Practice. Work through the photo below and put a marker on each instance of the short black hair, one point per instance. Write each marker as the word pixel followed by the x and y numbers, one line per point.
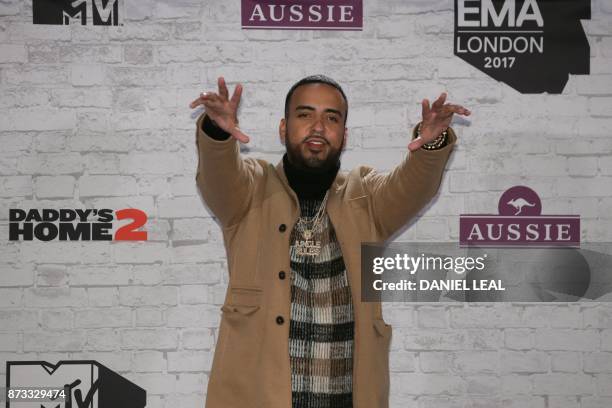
pixel 315 79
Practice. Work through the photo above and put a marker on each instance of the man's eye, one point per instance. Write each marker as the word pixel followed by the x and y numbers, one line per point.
pixel 333 119
pixel 302 115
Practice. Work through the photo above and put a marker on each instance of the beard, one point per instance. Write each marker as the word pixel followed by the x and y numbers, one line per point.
pixel 311 164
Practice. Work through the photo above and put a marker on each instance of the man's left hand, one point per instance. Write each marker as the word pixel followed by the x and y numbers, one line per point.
pixel 436 120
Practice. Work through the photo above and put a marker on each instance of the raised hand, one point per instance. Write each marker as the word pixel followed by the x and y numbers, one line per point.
pixel 436 120
pixel 223 109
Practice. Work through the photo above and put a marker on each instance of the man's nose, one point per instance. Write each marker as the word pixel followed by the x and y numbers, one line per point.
pixel 318 124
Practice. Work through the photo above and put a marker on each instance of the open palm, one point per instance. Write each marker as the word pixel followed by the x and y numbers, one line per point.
pixel 436 119
pixel 222 109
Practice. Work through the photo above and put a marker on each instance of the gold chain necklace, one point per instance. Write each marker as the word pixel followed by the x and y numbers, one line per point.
pixel 307 246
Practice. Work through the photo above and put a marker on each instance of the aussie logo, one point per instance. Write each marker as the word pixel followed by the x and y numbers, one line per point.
pixel 519 223
pixel 531 45
pixel 68 224
pixel 303 14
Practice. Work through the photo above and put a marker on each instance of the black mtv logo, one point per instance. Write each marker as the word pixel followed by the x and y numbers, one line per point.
pixel 63 12
pixel 86 384
pixel 531 45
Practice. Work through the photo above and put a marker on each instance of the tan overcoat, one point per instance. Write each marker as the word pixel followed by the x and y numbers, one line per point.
pixel 257 210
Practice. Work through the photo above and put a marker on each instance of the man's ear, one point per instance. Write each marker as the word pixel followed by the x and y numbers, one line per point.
pixel 346 133
pixel 282 130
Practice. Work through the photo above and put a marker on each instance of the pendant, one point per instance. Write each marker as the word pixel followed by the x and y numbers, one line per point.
pixel 307 247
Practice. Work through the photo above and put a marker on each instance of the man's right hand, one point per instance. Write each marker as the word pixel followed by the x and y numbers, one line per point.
pixel 222 109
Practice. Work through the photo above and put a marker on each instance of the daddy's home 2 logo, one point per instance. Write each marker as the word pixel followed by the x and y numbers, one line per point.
pixel 302 14
pixel 530 45
pixel 69 384
pixel 519 223
pixel 66 12
pixel 69 224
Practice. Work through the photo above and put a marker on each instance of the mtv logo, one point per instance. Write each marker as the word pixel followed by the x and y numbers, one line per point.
pixel 87 384
pixel 64 12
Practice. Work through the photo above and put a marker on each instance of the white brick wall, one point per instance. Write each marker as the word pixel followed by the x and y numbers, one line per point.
pixel 98 117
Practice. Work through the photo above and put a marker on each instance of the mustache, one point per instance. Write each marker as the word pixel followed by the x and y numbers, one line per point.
pixel 316 137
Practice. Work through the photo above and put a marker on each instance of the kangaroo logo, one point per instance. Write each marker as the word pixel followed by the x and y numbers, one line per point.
pixel 519 203
pixel 519 222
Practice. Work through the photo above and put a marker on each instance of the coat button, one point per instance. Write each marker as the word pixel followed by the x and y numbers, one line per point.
pixel 282 227
pixel 279 320
pixel 281 275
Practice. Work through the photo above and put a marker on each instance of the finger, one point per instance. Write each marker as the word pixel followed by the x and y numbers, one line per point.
pixel 204 96
pixel 237 95
pixel 439 102
pixel 212 104
pixel 416 144
pixel 458 109
pixel 196 102
pixel 223 88
pixel 426 109
pixel 210 96
pixel 240 136
pixel 212 100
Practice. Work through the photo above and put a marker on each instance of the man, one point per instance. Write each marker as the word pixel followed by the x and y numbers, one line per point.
pixel 294 332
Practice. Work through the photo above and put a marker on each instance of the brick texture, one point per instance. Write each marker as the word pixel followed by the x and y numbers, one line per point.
pixel 98 117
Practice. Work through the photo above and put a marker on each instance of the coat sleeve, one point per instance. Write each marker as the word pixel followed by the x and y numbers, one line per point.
pixel 399 195
pixel 225 180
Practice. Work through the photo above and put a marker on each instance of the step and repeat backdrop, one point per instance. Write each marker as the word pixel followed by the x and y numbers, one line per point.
pixel 113 271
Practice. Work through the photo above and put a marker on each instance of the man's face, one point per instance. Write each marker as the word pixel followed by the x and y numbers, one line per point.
pixel 314 132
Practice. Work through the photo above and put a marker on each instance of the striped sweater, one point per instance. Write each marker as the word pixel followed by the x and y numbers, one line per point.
pixel 321 327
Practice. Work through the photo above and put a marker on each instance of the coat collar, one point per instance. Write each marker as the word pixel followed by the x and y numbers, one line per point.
pixel 335 190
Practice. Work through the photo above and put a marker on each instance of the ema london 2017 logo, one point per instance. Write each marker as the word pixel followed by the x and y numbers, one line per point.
pixel 531 45
pixel 520 223
pixel 65 12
